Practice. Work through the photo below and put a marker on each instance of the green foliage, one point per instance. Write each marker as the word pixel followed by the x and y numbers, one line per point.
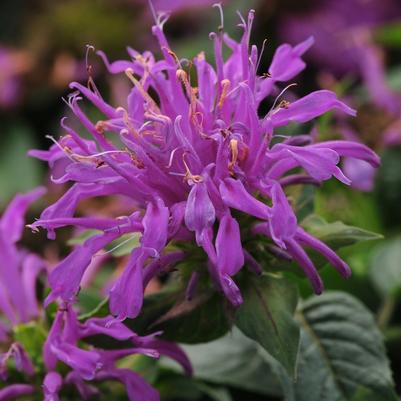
pixel 266 316
pixel 385 268
pixel 389 35
pixel 204 318
pixel 18 173
pixel 342 356
pixel 31 336
pixel 236 361
pixel 337 234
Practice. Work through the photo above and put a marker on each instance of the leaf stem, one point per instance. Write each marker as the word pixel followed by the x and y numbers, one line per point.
pixel 385 312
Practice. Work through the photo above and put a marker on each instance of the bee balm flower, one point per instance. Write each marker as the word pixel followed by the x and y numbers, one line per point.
pixel 188 155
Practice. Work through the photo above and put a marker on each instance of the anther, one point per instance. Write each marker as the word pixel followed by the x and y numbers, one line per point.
pixel 225 84
pixel 188 175
pixel 234 155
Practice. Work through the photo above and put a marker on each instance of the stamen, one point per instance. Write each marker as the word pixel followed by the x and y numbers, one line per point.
pixel 127 122
pixel 188 175
pixel 172 157
pixel 89 69
pixel 225 84
pixel 280 94
pixel 183 77
pixel 64 149
pixel 153 11
pixel 220 7
pixel 234 155
pixel 260 55
pixel 117 246
pixel 175 57
pixel 130 74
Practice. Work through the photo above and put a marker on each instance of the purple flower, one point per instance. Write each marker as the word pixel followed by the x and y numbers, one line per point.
pixel 13 64
pixel 19 269
pixel 344 44
pixel 64 344
pixel 66 339
pixel 185 157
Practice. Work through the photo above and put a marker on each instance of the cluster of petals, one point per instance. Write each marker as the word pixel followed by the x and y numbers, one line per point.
pixel 186 156
pixel 19 270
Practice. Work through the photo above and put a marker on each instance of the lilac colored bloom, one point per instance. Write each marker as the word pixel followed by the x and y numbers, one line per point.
pixel 18 268
pixel 344 44
pixel 10 86
pixel 186 159
pixel 65 341
pixel 63 344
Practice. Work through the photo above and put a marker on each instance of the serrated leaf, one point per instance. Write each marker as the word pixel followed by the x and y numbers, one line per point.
pixel 342 356
pixel 266 316
pixel 233 360
pixel 337 234
pixel 385 268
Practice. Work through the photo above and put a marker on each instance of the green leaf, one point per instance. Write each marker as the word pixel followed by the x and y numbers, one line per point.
pixel 342 356
pixel 266 316
pixel 18 172
pixel 204 318
pixel 82 237
pixel 233 360
pixel 100 310
pixel 389 35
pixel 337 234
pixel 31 336
pixel 385 268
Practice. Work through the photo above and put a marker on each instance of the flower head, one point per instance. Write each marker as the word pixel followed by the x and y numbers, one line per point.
pixel 192 154
pixel 344 41
pixel 33 344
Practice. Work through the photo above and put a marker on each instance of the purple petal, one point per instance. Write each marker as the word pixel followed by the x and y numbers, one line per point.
pixel 287 62
pixel 307 239
pixel 65 279
pixel 51 386
pixel 15 391
pixel 173 351
pixel 230 256
pixel 155 223
pixel 306 264
pixel 108 326
pixel 236 196
pixel 137 388
pixel 351 149
pixel 309 107
pixel 282 222
pixel 126 296
pixel 199 212
pixel 361 174
pixel 13 220
pixel 85 363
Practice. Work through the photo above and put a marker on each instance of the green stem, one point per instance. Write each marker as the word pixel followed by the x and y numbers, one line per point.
pixel 386 312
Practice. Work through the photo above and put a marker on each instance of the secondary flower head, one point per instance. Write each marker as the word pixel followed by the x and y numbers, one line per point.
pixel 192 154
pixel 13 64
pixel 344 41
pixel 34 344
